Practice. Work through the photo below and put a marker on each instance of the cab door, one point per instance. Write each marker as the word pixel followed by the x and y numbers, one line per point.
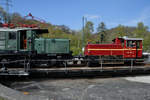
pixel 130 50
pixel 30 40
pixel 139 49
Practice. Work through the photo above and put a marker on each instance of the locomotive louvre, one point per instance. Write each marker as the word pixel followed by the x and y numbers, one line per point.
pixel 26 43
pixel 122 48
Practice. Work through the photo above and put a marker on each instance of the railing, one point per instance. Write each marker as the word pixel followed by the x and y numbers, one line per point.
pixel 5 70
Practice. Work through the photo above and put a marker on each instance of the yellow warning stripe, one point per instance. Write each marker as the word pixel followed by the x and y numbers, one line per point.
pixel 111 49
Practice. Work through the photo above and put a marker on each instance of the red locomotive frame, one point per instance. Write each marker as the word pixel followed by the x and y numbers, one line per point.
pixel 125 48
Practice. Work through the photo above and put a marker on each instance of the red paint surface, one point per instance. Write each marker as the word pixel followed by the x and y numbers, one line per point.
pixel 114 49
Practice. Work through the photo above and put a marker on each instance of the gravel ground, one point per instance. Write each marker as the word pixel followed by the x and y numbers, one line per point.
pixel 86 89
pixel 142 79
pixel 2 98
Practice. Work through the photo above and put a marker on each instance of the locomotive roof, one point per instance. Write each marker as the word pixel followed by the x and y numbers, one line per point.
pixel 19 29
pixel 126 38
pixel 14 29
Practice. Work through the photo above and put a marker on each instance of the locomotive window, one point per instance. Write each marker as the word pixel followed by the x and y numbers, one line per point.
pixel 138 44
pixel 122 43
pixel 12 35
pixel 131 43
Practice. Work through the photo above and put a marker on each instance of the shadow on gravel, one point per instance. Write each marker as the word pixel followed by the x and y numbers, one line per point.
pixel 8 80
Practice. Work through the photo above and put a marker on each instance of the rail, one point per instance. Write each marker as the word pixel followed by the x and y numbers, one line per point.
pixel 66 64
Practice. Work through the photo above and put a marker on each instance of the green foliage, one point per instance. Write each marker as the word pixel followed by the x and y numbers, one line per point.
pixel 146 43
pixel 3 15
pixel 101 27
pixel 141 30
pixel 101 30
pixel 89 29
pixel 16 18
pixel 120 31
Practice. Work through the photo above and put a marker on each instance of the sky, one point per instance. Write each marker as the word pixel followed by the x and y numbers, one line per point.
pixel 70 12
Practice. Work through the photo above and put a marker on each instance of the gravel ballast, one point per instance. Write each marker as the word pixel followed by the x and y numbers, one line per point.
pixel 85 89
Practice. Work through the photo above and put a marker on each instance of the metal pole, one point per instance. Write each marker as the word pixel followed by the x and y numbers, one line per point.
pixel 7 9
pixel 83 19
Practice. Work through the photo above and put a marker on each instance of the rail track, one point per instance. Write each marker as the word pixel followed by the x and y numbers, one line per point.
pixel 77 71
pixel 71 69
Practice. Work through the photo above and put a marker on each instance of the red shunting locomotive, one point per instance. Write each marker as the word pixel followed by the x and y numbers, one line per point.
pixel 121 48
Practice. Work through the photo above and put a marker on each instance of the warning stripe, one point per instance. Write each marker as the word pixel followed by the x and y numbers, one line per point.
pixel 111 49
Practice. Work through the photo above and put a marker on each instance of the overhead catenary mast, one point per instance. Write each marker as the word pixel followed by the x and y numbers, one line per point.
pixel 84 21
pixel 7 4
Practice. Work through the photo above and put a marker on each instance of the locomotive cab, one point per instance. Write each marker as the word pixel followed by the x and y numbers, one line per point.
pixel 133 48
pixel 18 39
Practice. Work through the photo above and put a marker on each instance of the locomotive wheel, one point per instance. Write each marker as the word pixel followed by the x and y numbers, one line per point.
pixel 52 63
pixel 92 64
pixel 4 60
pixel 89 64
pixel 60 64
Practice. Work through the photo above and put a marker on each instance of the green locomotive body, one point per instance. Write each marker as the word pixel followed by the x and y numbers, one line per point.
pixel 20 43
pixel 52 46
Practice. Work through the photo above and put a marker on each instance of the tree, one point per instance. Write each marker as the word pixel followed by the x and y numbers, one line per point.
pixel 16 18
pixel 101 27
pixel 3 15
pixel 101 30
pixel 64 28
pixel 141 30
pixel 121 31
pixel 141 26
pixel 89 29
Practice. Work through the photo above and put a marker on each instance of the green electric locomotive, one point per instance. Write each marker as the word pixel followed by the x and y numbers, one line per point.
pixel 26 43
